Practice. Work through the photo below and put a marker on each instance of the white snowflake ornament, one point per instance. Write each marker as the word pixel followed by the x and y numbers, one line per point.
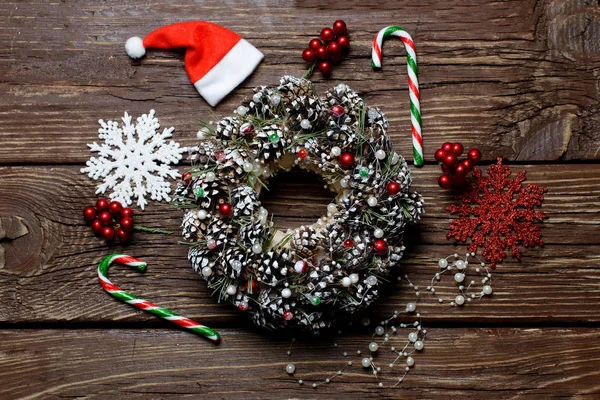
pixel 134 160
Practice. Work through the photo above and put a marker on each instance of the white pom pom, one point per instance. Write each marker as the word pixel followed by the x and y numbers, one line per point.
pixel 135 47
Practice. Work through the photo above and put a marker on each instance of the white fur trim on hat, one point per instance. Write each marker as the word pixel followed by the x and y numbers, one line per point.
pixel 135 47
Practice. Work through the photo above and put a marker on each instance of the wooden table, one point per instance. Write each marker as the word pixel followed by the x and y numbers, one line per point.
pixel 518 79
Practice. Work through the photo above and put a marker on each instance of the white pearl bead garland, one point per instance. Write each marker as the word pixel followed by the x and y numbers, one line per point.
pixel 378 233
pixel 201 214
pixel 372 201
pixel 286 293
pixel 380 155
pixel 305 124
pixel 241 111
pixel 336 151
pixel 231 290
pixel 257 248
pixel 207 271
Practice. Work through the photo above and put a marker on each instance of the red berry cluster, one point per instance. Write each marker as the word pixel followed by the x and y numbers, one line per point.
pixel 328 49
pixel 455 171
pixel 110 220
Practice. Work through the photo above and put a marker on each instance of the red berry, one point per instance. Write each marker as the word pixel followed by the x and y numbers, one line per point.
pixel 446 169
pixel 243 306
pixel 393 188
pixel 302 154
pixel 220 156
pixel 327 34
pixel 440 155
pixel 447 147
pixel 474 155
pixel 346 160
pixel 321 52
pixel 445 181
pixel 308 55
pixel 339 27
pixel 123 236
pixel 102 204
pixel 457 149
pixel 248 130
pixel 115 207
pixel 348 243
pixel 89 213
pixel 96 226
pixel 127 224
pixel 315 44
pixel 460 171
pixel 325 68
pixel 187 178
pixel 105 218
pixel 225 209
pixel 450 160
pixel 380 246
pixel 287 315
pixel 468 165
pixel 343 41
pixel 126 213
pixel 334 50
pixel 108 233
pixel 337 111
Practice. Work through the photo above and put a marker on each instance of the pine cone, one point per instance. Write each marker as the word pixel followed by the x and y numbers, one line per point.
pixel 305 108
pixel 228 128
pixel 351 102
pixel 252 233
pixel 264 104
pixel 231 168
pixel 245 201
pixel 209 194
pixel 200 258
pixel 271 143
pixel 234 262
pixel 221 231
pixel 375 122
pixel 291 87
pixel 272 267
pixel 206 154
pixel 305 241
pixel 193 227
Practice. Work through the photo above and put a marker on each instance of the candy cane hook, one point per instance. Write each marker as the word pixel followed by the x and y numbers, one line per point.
pixel 413 83
pixel 146 305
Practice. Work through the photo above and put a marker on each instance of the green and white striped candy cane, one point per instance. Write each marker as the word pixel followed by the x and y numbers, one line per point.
pixel 146 305
pixel 413 83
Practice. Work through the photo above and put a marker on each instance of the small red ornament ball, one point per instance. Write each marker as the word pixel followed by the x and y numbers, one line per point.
pixel 127 224
pixel 440 155
pixel 308 55
pixel 89 213
pixel 348 243
pixel 327 34
pixel 97 226
pixel 105 218
pixel 225 209
pixel 122 235
pixel 339 27
pixel 108 233
pixel 337 111
pixel 334 50
pixel 315 44
pixel 321 52
pixel 445 181
pixel 474 155
pixel 115 207
pixel 126 213
pixel 187 178
pixel 243 306
pixel 450 160
pixel 343 41
pixel 347 161
pixel 460 171
pixel 468 165
pixel 457 149
pixel 447 147
pixel 287 315
pixel 102 204
pixel 393 188
pixel 302 154
pixel 380 246
pixel 325 68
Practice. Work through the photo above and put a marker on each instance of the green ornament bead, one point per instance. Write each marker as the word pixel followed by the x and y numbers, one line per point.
pixel 363 172
pixel 200 192
pixel 274 137
pixel 316 300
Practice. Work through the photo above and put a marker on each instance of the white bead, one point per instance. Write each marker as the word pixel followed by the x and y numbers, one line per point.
pixel 354 278
pixel 256 97
pixel 236 265
pixel 344 182
pixel 380 155
pixel 372 201
pixel 366 362
pixel 459 277
pixel 371 280
pixel 419 345
pixel 305 124
pixel 275 99
pixel 241 110
pixel 413 336
pixel 460 300
pixel 290 369
pixel 256 248
pixel 336 151
pixel 411 307
pixel 300 266
pixel 379 330
pixel 395 159
pixel 487 289
pixel 346 282
pixel 410 361
pixel 202 133
pixel 373 347
pixel 231 290
pixel 201 214
pixel 460 264
pixel 207 271
pixel 210 176
pixel 443 263
pixel 331 207
pixel 286 293
pixel 378 233
pixel 248 166
pixel 211 244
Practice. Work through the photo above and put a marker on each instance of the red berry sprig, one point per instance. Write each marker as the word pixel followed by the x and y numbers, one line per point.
pixel 327 49
pixel 110 220
pixel 455 170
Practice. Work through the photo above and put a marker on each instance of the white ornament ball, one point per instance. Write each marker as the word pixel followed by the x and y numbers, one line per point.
pixel 344 182
pixel 379 331
pixel 210 176
pixel 275 99
pixel 380 155
pixel 460 300
pixel 419 345
pixel 346 282
pixel 256 248
pixel 443 263
pixel 300 266
pixel 241 111
pixel 411 307
pixel 413 337
pixel 257 97
pixel 373 347
pixel 290 368
pixel 286 293
pixel 378 233
pixel 371 280
pixel 487 290
pixel 459 277
pixel 366 362
pixel 372 201
pixel 201 214
pixel 331 207
pixel 305 124
pixel 206 271
pixel 336 151
pixel 248 166
pixel 410 361
pixel 460 264
pixel 231 290
pixel 354 278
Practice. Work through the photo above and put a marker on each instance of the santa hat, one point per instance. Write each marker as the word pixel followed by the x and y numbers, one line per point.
pixel 216 59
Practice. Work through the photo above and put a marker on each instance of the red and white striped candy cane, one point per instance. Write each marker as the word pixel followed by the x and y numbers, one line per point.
pixel 413 83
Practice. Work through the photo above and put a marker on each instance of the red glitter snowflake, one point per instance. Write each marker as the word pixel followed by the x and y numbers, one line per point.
pixel 498 213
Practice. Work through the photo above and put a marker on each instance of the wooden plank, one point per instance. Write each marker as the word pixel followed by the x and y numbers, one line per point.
pixel 516 78
pixel 135 364
pixel 49 274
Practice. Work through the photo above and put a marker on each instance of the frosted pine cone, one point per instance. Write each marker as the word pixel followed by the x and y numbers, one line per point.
pixel 228 128
pixel 273 267
pixel 245 201
pixel 221 231
pixel 305 241
pixel 291 87
pixel 351 102
pixel 202 257
pixel 209 194
pixel 193 227
pixel 271 144
pixel 230 168
pixel 264 104
pixel 305 108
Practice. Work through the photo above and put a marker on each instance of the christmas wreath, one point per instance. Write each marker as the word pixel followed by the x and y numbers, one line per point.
pixel 304 277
